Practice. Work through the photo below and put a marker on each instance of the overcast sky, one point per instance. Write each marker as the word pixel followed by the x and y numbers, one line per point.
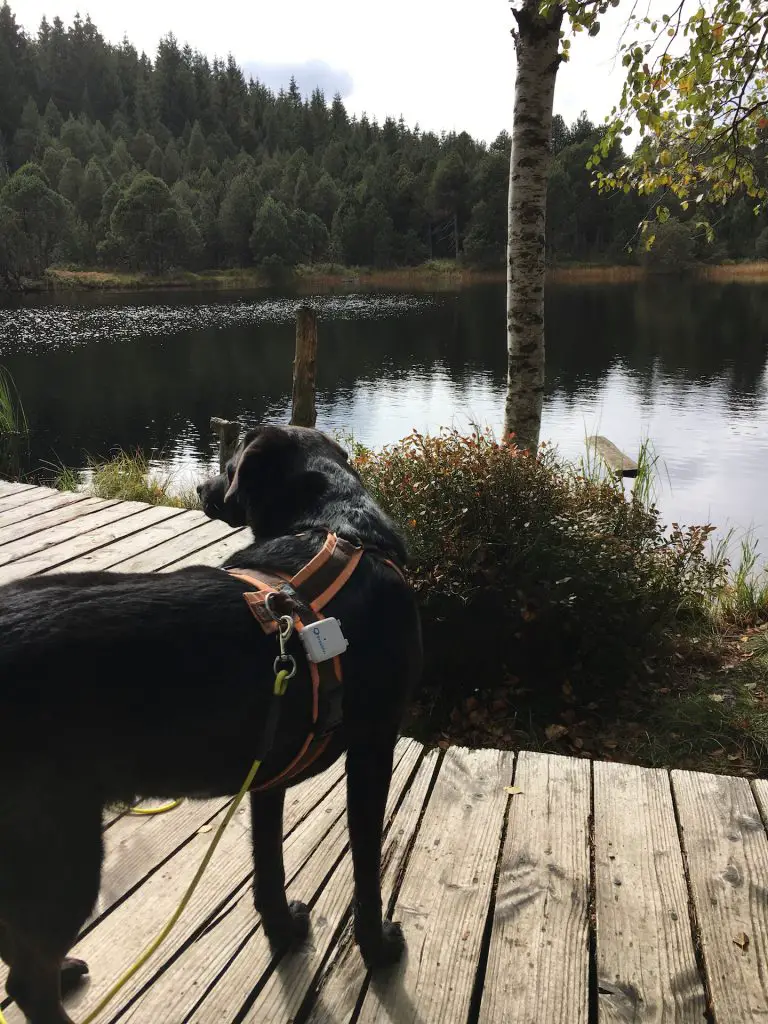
pixel 446 64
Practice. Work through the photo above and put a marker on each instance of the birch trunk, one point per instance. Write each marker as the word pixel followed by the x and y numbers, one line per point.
pixel 536 44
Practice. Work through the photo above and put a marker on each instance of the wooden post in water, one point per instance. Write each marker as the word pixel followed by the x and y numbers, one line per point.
pixel 228 433
pixel 304 413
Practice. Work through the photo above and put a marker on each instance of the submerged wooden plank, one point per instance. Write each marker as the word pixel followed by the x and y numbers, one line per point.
pixel 45 503
pixel 121 937
pixel 726 849
pixel 538 960
pixel 646 962
pixel 46 520
pixel 444 899
pixel 83 535
pixel 232 991
pixel 169 556
pixel 615 459
pixel 138 545
pixel 343 974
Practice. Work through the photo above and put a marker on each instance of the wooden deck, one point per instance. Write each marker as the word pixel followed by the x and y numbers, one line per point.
pixel 532 888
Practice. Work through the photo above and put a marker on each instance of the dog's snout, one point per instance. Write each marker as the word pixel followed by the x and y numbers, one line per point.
pixel 199 490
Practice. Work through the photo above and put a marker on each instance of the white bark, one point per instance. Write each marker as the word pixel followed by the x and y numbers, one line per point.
pixel 536 43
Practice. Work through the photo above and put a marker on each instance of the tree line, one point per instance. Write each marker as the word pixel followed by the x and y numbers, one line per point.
pixel 110 157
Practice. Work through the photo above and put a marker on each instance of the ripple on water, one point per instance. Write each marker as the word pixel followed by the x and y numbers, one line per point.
pixel 63 326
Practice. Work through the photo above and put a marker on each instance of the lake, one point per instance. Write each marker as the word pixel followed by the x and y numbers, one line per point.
pixel 682 363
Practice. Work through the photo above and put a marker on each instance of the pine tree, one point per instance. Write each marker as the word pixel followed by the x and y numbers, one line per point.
pixel 171 166
pixel 271 241
pixel 29 135
pixel 92 193
pixel 71 180
pixel 239 206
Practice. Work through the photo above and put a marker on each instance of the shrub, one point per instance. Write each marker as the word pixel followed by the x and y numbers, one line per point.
pixel 525 567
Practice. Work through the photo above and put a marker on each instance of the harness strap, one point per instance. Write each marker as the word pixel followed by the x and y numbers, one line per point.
pixel 320 580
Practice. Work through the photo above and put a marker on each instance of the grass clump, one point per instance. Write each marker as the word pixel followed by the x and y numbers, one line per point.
pixel 13 425
pixel 127 476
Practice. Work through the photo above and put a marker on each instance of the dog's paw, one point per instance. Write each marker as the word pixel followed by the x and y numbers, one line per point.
pixel 72 972
pixel 388 950
pixel 291 930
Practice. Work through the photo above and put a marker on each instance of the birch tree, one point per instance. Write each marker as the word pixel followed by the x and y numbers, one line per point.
pixel 540 47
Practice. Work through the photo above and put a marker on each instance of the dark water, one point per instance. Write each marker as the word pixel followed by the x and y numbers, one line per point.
pixel 681 363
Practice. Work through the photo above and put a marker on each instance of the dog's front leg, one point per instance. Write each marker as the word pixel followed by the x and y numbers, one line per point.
pixel 369 770
pixel 284 923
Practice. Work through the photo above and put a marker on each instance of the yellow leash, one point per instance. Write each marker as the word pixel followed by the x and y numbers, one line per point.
pixel 281 684
pixel 155 810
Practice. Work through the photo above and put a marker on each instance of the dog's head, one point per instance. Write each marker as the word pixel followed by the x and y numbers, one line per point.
pixel 273 470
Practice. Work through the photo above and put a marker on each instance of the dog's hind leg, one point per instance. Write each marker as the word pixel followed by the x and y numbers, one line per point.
pixel 35 983
pixel 50 868
pixel 369 770
pixel 284 923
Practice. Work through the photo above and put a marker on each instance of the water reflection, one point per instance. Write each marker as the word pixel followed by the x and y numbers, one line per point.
pixel 683 364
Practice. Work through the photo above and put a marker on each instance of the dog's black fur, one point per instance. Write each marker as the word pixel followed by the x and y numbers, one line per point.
pixel 114 686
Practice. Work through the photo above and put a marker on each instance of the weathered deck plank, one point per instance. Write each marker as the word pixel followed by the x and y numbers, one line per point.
pixel 42 552
pixel 123 934
pixel 192 976
pixel 287 988
pixel 233 990
pixel 216 553
pixel 45 503
pixel 138 545
pixel 446 892
pixel 727 855
pixel 45 521
pixel 341 979
pixel 189 549
pixel 21 494
pixel 646 963
pixel 10 487
pixel 538 960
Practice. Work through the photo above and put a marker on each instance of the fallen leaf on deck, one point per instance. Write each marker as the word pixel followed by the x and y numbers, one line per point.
pixel 205 828
pixel 742 941
pixel 512 790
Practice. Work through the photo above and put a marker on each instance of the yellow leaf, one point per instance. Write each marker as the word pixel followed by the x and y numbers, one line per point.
pixel 512 790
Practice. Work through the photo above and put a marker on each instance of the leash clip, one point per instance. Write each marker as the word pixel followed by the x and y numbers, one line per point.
pixel 285 631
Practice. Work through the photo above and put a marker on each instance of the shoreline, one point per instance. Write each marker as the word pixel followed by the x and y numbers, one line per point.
pixel 438 276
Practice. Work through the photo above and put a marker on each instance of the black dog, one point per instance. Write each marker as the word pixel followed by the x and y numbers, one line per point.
pixel 113 686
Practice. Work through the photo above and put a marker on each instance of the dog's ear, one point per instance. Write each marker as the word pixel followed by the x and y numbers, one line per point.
pixel 263 463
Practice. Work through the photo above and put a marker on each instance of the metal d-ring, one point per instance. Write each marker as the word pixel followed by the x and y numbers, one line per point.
pixel 285 659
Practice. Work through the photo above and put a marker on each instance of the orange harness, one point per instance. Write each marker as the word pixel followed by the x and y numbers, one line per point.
pixel 303 597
